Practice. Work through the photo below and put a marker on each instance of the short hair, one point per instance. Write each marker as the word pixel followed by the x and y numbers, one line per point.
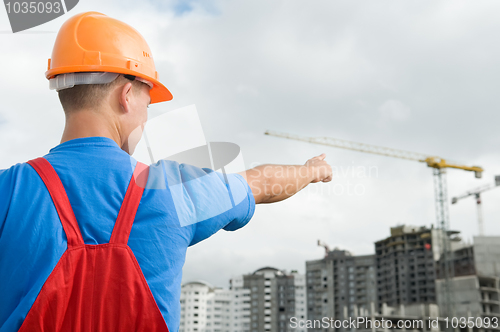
pixel 88 96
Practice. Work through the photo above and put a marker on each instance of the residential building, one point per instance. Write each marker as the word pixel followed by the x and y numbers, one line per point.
pixel 473 296
pixel 205 308
pixel 241 305
pixel 404 318
pixel 406 265
pixel 275 297
pixel 474 282
pixel 340 285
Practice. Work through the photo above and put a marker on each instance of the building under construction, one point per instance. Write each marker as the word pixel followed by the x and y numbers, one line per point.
pixel 407 273
pixel 474 296
pixel 406 265
pixel 475 280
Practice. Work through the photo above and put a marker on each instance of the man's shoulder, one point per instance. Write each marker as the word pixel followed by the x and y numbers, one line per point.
pixel 14 171
pixel 14 181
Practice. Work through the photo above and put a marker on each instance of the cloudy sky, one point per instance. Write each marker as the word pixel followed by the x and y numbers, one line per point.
pixel 415 75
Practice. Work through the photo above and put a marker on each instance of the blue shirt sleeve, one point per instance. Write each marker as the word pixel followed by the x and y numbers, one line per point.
pixel 208 201
pixel 6 188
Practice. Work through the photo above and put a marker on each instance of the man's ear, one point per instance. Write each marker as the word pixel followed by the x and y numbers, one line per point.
pixel 126 97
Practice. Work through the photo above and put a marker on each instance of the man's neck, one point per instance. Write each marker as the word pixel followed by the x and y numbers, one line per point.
pixel 88 123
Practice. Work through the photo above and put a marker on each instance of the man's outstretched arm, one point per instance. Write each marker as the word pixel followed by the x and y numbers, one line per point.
pixel 274 183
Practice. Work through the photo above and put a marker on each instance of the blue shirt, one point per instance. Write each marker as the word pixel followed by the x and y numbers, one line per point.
pixel 181 206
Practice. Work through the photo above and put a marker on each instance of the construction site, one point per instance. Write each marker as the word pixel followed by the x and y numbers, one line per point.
pixel 163 121
pixel 402 287
pixel 418 279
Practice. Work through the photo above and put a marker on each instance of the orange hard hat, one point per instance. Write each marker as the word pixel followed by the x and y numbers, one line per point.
pixel 94 42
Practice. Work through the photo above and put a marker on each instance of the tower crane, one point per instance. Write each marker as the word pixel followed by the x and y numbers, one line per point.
pixel 324 245
pixel 438 165
pixel 477 194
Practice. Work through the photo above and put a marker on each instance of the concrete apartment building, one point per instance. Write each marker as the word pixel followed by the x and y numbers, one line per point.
pixel 263 301
pixel 241 305
pixel 340 285
pixel 410 271
pixel 486 252
pixel 405 318
pixel 473 296
pixel 205 308
pixel 402 280
pixel 406 265
pixel 482 257
pixel 275 297
pixel 475 282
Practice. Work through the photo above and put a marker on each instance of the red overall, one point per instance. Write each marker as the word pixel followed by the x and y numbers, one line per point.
pixel 95 287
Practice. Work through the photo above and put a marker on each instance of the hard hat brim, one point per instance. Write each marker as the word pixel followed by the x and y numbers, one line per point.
pixel 159 93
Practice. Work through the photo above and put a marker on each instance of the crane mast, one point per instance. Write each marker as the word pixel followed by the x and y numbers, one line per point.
pixel 439 166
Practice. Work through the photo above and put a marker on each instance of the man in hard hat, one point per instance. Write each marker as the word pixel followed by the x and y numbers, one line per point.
pixel 92 240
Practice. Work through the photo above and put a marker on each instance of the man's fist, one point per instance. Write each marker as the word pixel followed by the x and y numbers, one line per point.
pixel 320 169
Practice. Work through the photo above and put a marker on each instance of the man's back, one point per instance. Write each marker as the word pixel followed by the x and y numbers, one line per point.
pixel 181 205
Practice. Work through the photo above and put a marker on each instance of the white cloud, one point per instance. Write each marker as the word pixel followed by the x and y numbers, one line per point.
pixel 394 110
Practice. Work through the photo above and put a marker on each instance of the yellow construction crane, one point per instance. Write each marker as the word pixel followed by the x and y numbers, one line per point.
pixel 439 166
pixel 431 161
